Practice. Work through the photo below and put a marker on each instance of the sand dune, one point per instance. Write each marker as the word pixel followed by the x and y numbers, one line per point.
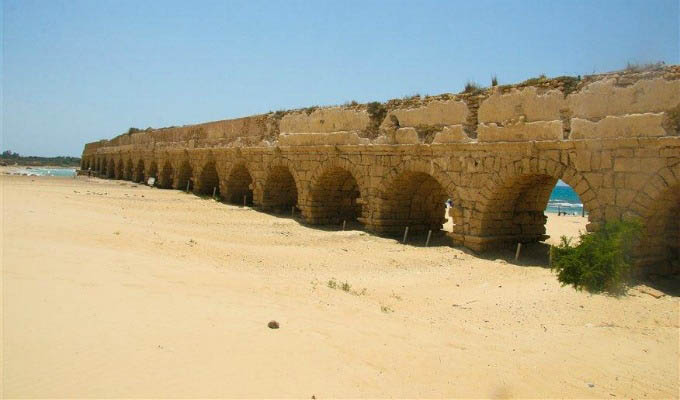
pixel 112 289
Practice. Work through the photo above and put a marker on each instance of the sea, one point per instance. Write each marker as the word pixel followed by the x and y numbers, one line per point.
pixel 44 171
pixel 563 198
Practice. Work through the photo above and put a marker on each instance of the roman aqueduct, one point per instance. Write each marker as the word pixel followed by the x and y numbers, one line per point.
pixel 496 153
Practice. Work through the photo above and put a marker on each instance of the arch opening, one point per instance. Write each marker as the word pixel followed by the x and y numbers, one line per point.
pixel 110 169
pixel 240 185
pixel 100 165
pixel 184 176
pixel 532 208
pixel 335 198
pixel 120 168
pixel 280 191
pixel 659 248
pixel 209 180
pixel 415 200
pixel 166 176
pixel 139 171
pixel 128 170
pixel 153 171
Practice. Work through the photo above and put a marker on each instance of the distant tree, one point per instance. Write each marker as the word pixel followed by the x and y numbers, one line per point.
pixel 10 154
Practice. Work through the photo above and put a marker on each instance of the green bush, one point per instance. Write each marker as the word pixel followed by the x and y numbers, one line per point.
pixel 602 260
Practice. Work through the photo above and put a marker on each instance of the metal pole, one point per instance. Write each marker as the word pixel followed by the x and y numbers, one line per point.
pixel 244 200
pixel 214 191
pixel 405 235
pixel 519 247
pixel 188 182
pixel 429 235
pixel 292 211
pixel 344 224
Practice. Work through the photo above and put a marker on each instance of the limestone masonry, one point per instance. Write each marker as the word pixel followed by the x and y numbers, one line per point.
pixel 497 153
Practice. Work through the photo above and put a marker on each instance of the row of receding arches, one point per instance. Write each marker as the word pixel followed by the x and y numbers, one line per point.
pixel 415 199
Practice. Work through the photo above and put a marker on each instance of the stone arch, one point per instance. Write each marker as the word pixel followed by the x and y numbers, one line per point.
pixel 209 180
pixel 240 184
pixel 139 171
pixel 658 205
pixel 512 203
pixel 128 172
pixel 111 168
pixel 280 189
pixel 414 195
pixel 166 176
pixel 120 169
pixel 153 170
pixel 184 175
pixel 338 192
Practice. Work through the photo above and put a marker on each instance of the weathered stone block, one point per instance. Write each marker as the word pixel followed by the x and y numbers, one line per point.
pixel 551 130
pixel 451 134
pixel 527 103
pixel 325 120
pixel 438 112
pixel 406 136
pixel 604 98
pixel 316 139
pixel 633 125
pixel 627 165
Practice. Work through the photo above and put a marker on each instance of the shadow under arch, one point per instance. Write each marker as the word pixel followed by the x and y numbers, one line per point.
pixel 184 175
pixel 209 180
pixel 239 185
pixel 120 169
pixel 127 174
pixel 111 169
pixel 337 194
pixel 512 204
pixel 139 171
pixel 414 194
pixel 280 191
pixel 166 176
pixel 153 170
pixel 659 249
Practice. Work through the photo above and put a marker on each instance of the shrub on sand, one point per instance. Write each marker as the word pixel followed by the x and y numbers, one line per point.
pixel 602 260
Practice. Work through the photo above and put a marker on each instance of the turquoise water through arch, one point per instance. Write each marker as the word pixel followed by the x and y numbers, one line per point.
pixel 564 198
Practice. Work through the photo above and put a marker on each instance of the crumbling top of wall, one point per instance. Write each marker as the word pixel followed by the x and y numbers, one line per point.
pixel 632 102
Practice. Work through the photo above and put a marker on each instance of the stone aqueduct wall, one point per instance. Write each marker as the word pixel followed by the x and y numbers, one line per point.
pixel 497 153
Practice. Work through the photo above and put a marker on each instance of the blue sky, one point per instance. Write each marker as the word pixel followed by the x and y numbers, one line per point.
pixel 79 71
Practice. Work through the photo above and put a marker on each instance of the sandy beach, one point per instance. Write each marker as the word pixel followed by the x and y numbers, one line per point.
pixel 114 289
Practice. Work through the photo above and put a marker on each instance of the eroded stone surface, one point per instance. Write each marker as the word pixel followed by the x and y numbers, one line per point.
pixel 633 125
pixel 604 98
pixel 447 112
pixel 325 120
pixel 527 103
pixel 520 131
